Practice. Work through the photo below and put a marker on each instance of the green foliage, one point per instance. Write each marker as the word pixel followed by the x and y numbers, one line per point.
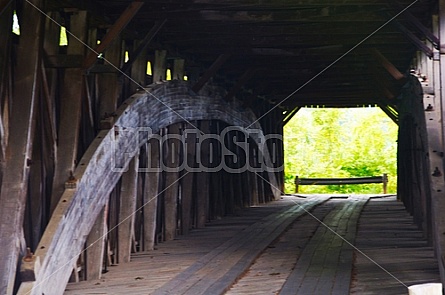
pixel 340 143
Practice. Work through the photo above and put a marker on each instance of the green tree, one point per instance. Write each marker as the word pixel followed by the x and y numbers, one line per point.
pixel 340 143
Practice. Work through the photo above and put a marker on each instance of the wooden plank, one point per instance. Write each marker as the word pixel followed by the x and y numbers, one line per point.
pixel 70 112
pixel 19 149
pixel 114 31
pixel 215 272
pixel 127 210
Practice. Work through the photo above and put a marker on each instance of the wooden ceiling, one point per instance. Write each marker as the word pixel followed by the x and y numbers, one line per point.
pixel 292 53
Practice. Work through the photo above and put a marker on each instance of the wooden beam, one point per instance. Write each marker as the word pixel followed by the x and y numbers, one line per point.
pixel 114 31
pixel 19 149
pixel 248 74
pixel 143 44
pixel 392 70
pixel 210 72
pixel 70 112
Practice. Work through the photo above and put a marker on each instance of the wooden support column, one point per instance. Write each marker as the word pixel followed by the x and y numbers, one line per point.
pixel 107 83
pixel 160 65
pixel 138 70
pixel 171 181
pixel 202 179
pixel 178 69
pixel 18 152
pixel 150 195
pixel 127 210
pixel 438 202
pixel 96 247
pixel 70 111
pixel 187 181
pixel 5 51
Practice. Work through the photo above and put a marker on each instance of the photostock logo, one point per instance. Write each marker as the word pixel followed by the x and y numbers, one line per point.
pixel 234 150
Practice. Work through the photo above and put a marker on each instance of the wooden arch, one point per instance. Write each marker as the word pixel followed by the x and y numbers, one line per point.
pixel 157 106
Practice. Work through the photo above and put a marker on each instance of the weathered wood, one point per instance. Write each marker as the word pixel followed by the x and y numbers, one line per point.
pixel 171 189
pixel 151 193
pixel 160 66
pixel 95 244
pixel 215 272
pixel 70 112
pixel 19 150
pixel 114 31
pixel 127 210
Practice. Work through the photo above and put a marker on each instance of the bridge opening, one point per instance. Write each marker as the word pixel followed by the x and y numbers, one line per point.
pixel 340 143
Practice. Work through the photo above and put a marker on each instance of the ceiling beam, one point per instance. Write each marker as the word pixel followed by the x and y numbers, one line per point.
pixel 211 71
pixel 114 31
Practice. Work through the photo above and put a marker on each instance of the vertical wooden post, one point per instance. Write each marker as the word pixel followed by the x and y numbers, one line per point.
pixel 138 70
pixel 385 183
pixel 107 83
pixel 297 183
pixel 187 182
pixel 178 69
pixel 96 246
pixel 171 182
pixel 202 181
pixel 19 149
pixel 70 110
pixel 150 195
pixel 438 202
pixel 160 65
pixel 127 210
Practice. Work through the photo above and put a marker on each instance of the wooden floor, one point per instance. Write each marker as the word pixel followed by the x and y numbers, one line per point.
pixel 280 249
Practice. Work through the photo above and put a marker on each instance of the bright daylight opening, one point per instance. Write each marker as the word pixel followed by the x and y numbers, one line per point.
pixel 331 143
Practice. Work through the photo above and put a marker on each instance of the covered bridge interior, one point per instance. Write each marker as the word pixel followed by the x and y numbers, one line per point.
pixel 155 117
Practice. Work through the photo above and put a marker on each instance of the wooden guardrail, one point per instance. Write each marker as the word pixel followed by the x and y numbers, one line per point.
pixel 329 181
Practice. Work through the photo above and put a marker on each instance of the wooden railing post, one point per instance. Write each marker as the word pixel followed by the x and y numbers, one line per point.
pixel 385 183
pixel 296 184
